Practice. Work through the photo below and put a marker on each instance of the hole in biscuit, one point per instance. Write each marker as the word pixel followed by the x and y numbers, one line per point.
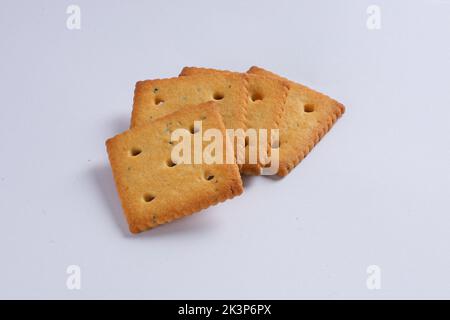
pixel 159 101
pixel 256 96
pixel 218 96
pixel 308 107
pixel 193 129
pixel 135 152
pixel 209 176
pixel 148 197
pixel 170 163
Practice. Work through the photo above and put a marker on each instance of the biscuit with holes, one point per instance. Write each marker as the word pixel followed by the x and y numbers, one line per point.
pixel 153 189
pixel 266 100
pixel 308 116
pixel 156 98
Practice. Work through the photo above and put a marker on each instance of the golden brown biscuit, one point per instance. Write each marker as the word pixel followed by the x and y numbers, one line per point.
pixel 156 98
pixel 155 190
pixel 266 100
pixel 308 116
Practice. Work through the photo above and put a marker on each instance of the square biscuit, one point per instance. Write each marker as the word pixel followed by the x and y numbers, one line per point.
pixel 265 106
pixel 156 98
pixel 152 188
pixel 308 116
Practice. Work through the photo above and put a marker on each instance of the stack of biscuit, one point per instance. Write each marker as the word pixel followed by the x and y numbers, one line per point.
pixel 154 189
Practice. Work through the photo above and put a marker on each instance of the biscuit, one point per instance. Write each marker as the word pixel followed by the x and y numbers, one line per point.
pixel 308 116
pixel 152 188
pixel 156 98
pixel 266 100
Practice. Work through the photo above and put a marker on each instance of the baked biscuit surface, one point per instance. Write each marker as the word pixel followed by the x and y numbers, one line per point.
pixel 152 188
pixel 266 96
pixel 156 98
pixel 308 116
pixel 265 106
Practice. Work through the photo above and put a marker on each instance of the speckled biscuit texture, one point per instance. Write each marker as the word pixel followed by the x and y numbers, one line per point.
pixel 307 117
pixel 152 188
pixel 154 99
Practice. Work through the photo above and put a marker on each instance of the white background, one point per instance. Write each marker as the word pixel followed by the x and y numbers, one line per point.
pixel 376 190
